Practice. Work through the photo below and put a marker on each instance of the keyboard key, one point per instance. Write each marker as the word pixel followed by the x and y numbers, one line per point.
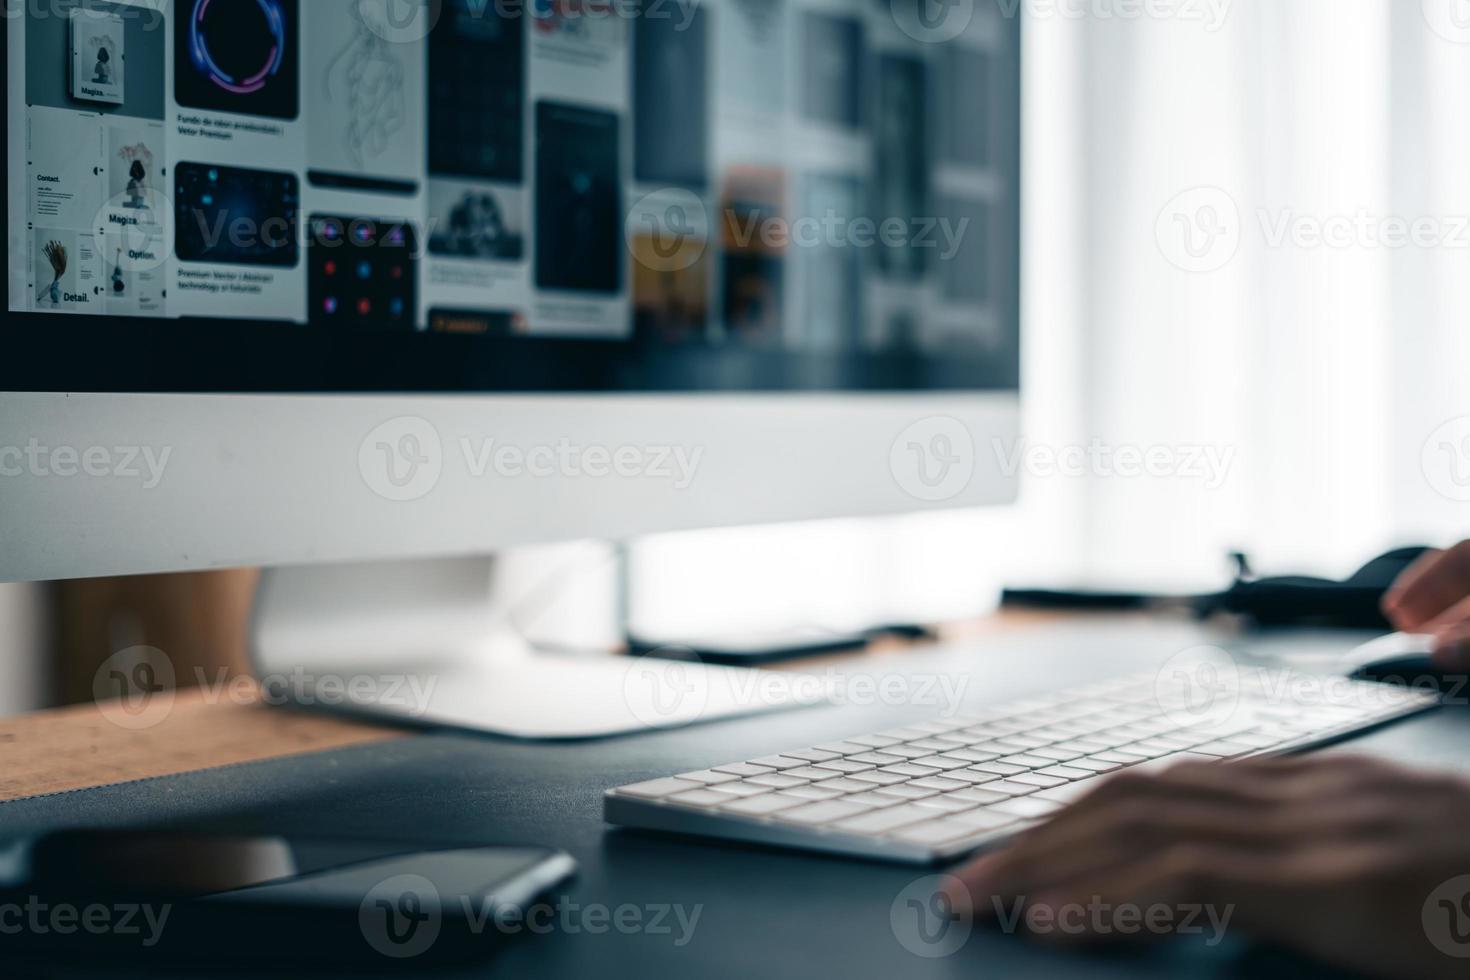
pixel 971 755
pixel 931 744
pixel 1095 764
pixel 1082 746
pixel 940 762
pixel 743 769
pixel 906 734
pixel 1123 758
pixel 937 782
pixel 1223 750
pixel 1254 740
pixel 1037 779
pixel 813 791
pixel 908 769
pixel 991 748
pixel 873 741
pixel 1069 792
pixel 1005 746
pixel 970 776
pixel 875 758
pixel 906 791
pixel 1177 741
pixel 1010 787
pixel 935 832
pixel 879 777
pixel 907 751
pixel 1143 749
pixel 809 772
pixel 708 776
pixel 1026 741
pixel 984 819
pixel 1154 746
pixel 778 762
pixel 843 765
pixel 822 813
pixel 882 821
pixel 969 738
pixel 1101 743
pixel 1066 772
pixel 740 789
pixel 1170 761
pixel 657 788
pixel 846 785
pixel 700 797
pixel 946 803
pixel 814 755
pixel 874 799
pixel 1076 727
pixel 1026 807
pixel 984 731
pixel 977 795
pixel 1059 755
pixel 776 780
pixel 1028 761
pixel 998 768
pixel 840 748
pixel 759 806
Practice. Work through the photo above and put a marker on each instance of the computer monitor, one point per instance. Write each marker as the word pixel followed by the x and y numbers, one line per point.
pixel 298 282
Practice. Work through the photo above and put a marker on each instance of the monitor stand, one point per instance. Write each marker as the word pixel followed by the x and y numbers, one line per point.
pixel 432 642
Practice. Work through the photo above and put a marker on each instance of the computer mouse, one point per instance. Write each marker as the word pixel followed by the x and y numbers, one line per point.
pixel 1400 658
pixel 1400 669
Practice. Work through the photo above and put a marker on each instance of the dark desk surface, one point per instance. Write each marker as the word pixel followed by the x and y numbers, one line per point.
pixel 763 913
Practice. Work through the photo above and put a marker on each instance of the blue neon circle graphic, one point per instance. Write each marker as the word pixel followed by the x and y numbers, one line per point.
pixel 199 50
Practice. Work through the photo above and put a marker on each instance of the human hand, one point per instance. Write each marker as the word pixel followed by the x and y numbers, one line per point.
pixel 1333 856
pixel 1433 596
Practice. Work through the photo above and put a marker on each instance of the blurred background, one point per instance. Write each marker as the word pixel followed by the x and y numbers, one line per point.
pixel 1247 242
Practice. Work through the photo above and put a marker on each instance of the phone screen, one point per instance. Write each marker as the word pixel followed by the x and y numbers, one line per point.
pixel 185 895
pixel 182 866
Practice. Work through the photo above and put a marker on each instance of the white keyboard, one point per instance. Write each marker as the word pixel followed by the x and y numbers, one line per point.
pixel 935 790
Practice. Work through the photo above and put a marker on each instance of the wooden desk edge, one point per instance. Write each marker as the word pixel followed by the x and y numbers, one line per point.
pixel 89 745
pixel 102 744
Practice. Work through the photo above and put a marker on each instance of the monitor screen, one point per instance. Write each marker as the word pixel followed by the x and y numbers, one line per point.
pixel 497 194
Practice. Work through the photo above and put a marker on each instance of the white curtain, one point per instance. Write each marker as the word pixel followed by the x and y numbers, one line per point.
pixel 1317 347
pixel 1333 345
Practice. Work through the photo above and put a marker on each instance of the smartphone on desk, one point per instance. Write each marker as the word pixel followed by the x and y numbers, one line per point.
pixel 286 898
